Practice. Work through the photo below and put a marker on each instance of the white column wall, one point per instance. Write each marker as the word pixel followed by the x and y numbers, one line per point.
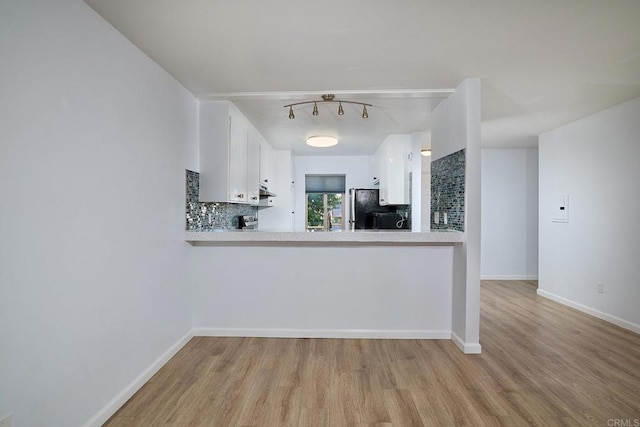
pixel 509 214
pixel 94 140
pixel 456 125
pixel 595 162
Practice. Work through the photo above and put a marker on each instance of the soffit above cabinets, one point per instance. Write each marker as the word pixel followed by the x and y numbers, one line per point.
pixel 390 113
pixel 542 64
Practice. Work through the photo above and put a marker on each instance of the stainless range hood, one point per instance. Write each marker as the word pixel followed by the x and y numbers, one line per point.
pixel 264 191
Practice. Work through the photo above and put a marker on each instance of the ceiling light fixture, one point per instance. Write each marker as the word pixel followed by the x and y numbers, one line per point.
pixel 322 141
pixel 329 98
pixel 425 152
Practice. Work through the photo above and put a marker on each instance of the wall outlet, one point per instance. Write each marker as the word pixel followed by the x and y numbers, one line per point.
pixel 5 421
pixel 436 217
pixel 601 288
pixel 444 218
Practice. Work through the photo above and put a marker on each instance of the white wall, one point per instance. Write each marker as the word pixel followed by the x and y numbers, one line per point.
pixel 358 171
pixel 595 161
pixel 509 214
pixel 456 125
pixel 303 291
pixel 94 139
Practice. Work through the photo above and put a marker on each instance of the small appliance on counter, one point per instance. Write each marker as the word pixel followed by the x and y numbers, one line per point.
pixel 388 220
pixel 247 222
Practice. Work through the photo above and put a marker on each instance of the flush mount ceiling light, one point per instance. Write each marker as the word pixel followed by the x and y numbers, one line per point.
pixel 329 98
pixel 425 152
pixel 322 141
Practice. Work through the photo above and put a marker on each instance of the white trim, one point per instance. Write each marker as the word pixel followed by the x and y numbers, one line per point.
pixel 591 311
pixel 322 333
pixel 295 95
pixel 116 403
pixel 467 348
pixel 509 277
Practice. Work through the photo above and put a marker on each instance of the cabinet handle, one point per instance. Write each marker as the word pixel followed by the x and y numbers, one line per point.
pixel 266 180
pixel 240 196
pixel 382 200
pixel 254 198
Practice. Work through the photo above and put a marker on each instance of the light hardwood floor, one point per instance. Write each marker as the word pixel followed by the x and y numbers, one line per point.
pixel 542 364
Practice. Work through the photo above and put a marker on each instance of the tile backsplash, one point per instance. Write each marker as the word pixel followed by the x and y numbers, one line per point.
pixel 448 191
pixel 207 216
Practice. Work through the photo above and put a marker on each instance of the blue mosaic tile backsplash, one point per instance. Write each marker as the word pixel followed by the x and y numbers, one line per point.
pixel 206 216
pixel 448 191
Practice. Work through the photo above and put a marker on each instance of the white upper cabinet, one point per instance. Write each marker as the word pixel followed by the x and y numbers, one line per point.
pixel 391 169
pixel 253 166
pixel 238 152
pixel 267 165
pixel 229 155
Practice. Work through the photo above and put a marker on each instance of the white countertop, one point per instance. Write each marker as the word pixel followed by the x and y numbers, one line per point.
pixel 345 237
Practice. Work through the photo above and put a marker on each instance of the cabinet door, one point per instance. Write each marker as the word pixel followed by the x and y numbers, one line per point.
pixel 238 160
pixel 391 161
pixel 267 165
pixel 377 165
pixel 398 175
pixel 253 168
pixel 382 162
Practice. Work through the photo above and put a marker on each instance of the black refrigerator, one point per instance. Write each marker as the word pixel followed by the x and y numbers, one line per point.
pixel 364 203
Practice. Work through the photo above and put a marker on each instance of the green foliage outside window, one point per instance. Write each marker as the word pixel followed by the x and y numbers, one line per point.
pixel 315 210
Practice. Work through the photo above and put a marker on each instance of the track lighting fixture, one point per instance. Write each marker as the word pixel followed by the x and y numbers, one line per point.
pixel 329 98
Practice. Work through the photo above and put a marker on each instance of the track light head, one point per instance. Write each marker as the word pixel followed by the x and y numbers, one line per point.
pixel 340 110
pixel 315 109
pixel 365 113
pixel 291 115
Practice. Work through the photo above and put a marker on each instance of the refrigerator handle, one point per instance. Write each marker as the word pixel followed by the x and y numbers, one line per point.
pixel 352 208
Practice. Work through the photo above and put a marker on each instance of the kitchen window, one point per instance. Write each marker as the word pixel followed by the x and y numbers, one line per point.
pixel 325 196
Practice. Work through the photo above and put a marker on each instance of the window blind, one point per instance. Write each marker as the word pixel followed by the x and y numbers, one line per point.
pixel 325 183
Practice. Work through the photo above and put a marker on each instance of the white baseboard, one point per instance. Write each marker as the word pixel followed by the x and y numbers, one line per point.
pixel 591 311
pixel 106 412
pixel 322 333
pixel 507 277
pixel 467 348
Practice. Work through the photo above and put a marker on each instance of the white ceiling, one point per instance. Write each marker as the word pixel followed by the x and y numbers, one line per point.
pixel 542 63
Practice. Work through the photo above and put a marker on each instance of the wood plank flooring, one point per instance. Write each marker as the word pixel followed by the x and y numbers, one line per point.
pixel 542 364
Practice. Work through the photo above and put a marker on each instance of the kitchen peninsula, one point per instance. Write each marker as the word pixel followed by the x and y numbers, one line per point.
pixel 349 284
pixel 362 284
pixel 197 238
